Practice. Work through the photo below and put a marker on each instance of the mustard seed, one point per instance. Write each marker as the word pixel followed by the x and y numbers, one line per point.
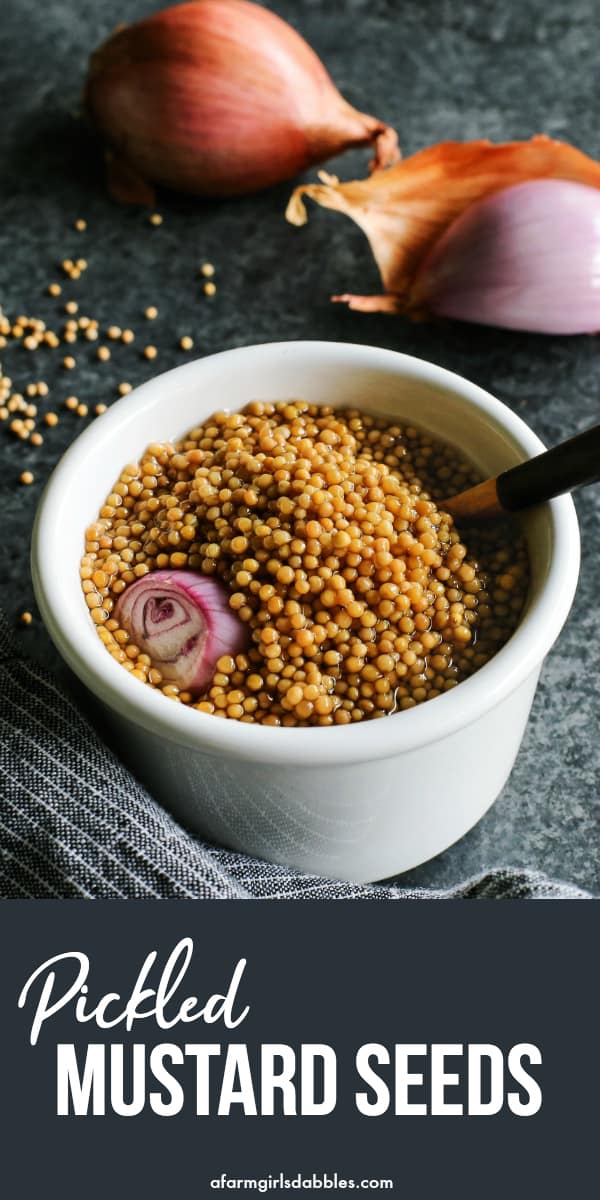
pixel 207 270
pixel 26 618
pixel 26 477
pixel 103 353
pixel 360 596
pixel 114 332
pixel 80 225
pixel 51 418
pixel 99 409
pixel 151 313
pixel 155 219
pixel 127 336
pixel 210 289
pixel 150 352
pixel 54 289
pixel 124 389
pixel 71 307
pixel 36 439
pixel 186 343
pixel 68 362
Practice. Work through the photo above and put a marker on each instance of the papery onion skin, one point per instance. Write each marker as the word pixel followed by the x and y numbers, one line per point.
pixel 525 258
pixel 183 622
pixel 405 211
pixel 219 98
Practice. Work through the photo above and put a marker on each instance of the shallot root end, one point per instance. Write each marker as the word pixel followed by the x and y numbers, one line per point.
pixel 125 184
pixel 385 303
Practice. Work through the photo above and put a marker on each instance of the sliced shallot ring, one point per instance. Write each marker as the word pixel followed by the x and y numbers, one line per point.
pixel 183 622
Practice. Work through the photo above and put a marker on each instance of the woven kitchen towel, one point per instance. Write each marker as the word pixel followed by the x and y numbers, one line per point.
pixel 75 823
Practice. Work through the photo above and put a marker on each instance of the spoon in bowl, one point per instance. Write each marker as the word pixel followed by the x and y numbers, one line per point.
pixel 570 465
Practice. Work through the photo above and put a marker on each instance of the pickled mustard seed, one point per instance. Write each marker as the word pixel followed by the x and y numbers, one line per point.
pixel 114 332
pixel 36 439
pixel 68 362
pixel 71 403
pixel 54 289
pixel 81 264
pixel 42 388
pixel 26 477
pixel 151 312
pixel 80 225
pixel 124 389
pixel 186 343
pixel 155 219
pixel 71 307
pixel 91 333
pixel 82 410
pixel 51 418
pixel 31 342
pixel 103 353
pixel 127 336
pixel 150 352
pixel 26 618
pixel 99 409
pixel 207 270
pixel 210 289
pixel 359 595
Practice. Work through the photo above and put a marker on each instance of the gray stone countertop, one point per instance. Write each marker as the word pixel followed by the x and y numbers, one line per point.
pixel 434 70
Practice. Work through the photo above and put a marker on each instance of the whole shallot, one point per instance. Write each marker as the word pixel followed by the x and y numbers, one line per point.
pixel 218 98
pixel 183 622
pixel 505 235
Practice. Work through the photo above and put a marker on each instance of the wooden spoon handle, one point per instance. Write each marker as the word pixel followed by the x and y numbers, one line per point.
pixel 570 465
pixel 573 464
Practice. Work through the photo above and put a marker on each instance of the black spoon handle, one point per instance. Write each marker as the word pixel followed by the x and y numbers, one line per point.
pixel 570 465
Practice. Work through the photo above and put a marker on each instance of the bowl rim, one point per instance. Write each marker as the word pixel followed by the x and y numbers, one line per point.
pixel 331 745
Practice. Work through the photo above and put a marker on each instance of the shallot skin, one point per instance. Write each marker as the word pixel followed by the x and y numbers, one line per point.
pixel 218 98
pixel 525 258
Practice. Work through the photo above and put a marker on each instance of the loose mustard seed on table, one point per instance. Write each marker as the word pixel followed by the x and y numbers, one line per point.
pixel 323 530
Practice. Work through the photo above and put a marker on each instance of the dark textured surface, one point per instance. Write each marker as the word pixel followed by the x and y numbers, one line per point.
pixel 435 70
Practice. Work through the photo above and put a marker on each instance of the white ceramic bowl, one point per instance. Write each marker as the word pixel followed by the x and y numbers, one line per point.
pixel 356 802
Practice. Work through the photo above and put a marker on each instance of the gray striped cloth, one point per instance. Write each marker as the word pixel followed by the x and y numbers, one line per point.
pixel 74 823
